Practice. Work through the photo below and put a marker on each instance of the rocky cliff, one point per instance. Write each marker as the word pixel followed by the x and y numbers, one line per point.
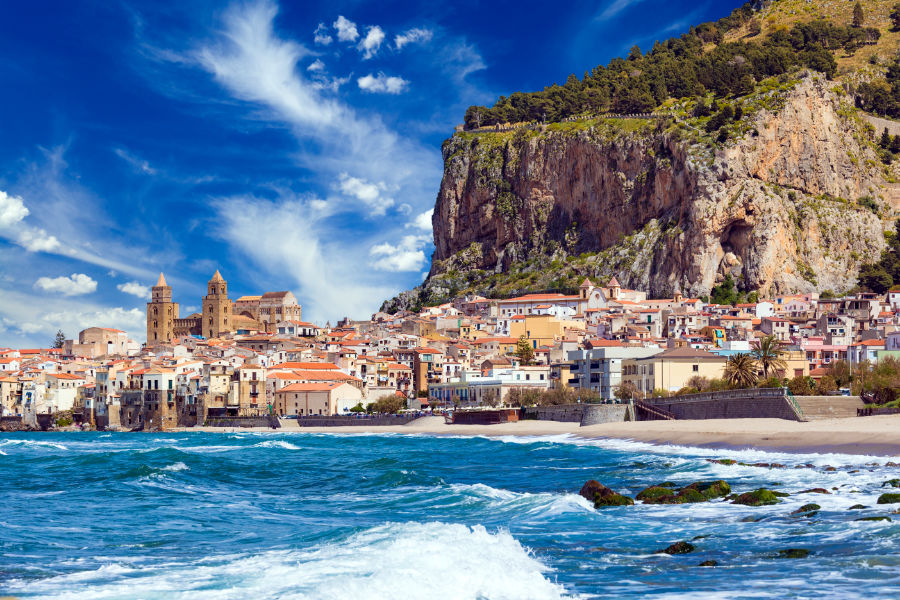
pixel 795 199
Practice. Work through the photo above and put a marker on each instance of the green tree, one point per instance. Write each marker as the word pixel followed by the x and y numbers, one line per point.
pixel 801 386
pixel 875 278
pixel 358 408
pixel 491 398
pixel 524 351
pixel 826 385
pixel 724 293
pixel 859 16
pixel 740 371
pixel 389 404
pixel 60 340
pixel 767 352
pixel 895 17
pixel 627 390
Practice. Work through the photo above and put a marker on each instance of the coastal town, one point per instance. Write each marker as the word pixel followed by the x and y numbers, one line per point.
pixel 253 357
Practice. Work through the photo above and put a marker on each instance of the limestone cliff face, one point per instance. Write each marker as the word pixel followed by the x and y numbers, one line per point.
pixel 777 205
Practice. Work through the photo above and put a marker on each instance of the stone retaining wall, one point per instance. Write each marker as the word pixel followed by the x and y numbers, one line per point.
pixel 338 421
pixel 585 414
pixel 747 404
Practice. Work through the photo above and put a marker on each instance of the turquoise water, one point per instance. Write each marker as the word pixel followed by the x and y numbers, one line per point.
pixel 200 516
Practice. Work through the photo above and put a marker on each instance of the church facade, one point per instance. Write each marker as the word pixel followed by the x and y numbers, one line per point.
pixel 219 314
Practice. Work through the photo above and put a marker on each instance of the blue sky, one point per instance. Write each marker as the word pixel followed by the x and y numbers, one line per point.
pixel 292 146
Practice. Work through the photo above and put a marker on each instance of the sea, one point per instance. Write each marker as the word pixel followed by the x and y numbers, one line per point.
pixel 270 515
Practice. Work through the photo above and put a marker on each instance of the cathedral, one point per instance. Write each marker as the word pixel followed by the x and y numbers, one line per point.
pixel 219 315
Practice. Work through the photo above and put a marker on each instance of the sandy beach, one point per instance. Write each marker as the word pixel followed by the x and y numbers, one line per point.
pixel 878 435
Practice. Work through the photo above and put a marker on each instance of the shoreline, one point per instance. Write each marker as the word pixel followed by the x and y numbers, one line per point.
pixel 863 436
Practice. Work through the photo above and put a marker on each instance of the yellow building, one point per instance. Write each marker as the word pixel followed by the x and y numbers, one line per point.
pixel 541 330
pixel 671 369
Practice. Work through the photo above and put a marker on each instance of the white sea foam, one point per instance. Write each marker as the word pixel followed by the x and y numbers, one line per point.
pixel 33 444
pixel 2 453
pixel 179 466
pixel 410 560
pixel 276 444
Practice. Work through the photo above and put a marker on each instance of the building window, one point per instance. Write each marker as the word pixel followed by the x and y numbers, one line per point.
pixel 696 368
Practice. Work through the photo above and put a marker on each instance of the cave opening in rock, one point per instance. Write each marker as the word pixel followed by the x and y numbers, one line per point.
pixel 736 238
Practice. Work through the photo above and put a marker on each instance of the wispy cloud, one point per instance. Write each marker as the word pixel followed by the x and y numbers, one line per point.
pixel 139 164
pixel 346 29
pixel 412 36
pixel 614 8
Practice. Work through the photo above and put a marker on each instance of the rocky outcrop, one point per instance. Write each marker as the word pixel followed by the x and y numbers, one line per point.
pixel 795 200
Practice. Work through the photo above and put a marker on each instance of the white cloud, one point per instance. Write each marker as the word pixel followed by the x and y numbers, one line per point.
pixel 366 192
pixel 135 289
pixel 423 221
pixel 298 244
pixel 412 36
pixel 370 44
pixel 382 83
pixel 38 240
pixel 615 8
pixel 317 65
pixel 31 324
pixel 12 210
pixel 77 284
pixel 138 163
pixel 320 35
pixel 408 255
pixel 346 29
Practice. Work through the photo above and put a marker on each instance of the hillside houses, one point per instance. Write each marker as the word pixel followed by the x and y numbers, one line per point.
pixel 460 353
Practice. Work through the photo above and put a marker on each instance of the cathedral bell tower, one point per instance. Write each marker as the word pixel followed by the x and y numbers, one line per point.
pixel 216 318
pixel 161 313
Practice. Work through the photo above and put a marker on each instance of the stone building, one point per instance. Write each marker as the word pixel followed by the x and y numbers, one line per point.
pixel 219 314
pixel 161 313
pixel 216 308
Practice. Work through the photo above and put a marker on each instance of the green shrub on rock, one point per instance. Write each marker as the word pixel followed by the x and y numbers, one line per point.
pixel 760 497
pixel 710 489
pixel 655 495
pixel 857 507
pixel 602 496
pixel 811 507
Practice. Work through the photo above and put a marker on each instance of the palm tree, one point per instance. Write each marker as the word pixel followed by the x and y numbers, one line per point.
pixel 740 371
pixel 768 354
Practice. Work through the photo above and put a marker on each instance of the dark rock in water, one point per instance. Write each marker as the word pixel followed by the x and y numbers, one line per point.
pixel 656 494
pixel 751 519
pixel 722 461
pixel 699 537
pixel 857 507
pixel 808 508
pixel 894 483
pixel 709 489
pixel 601 495
pixel 678 548
pixel 889 499
pixel 891 464
pixel 760 497
pixel 874 519
pixel 689 496
pixel 815 491
pixel 708 563
pixel 781 494
pixel 830 469
pixel 666 484
pixel 793 553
